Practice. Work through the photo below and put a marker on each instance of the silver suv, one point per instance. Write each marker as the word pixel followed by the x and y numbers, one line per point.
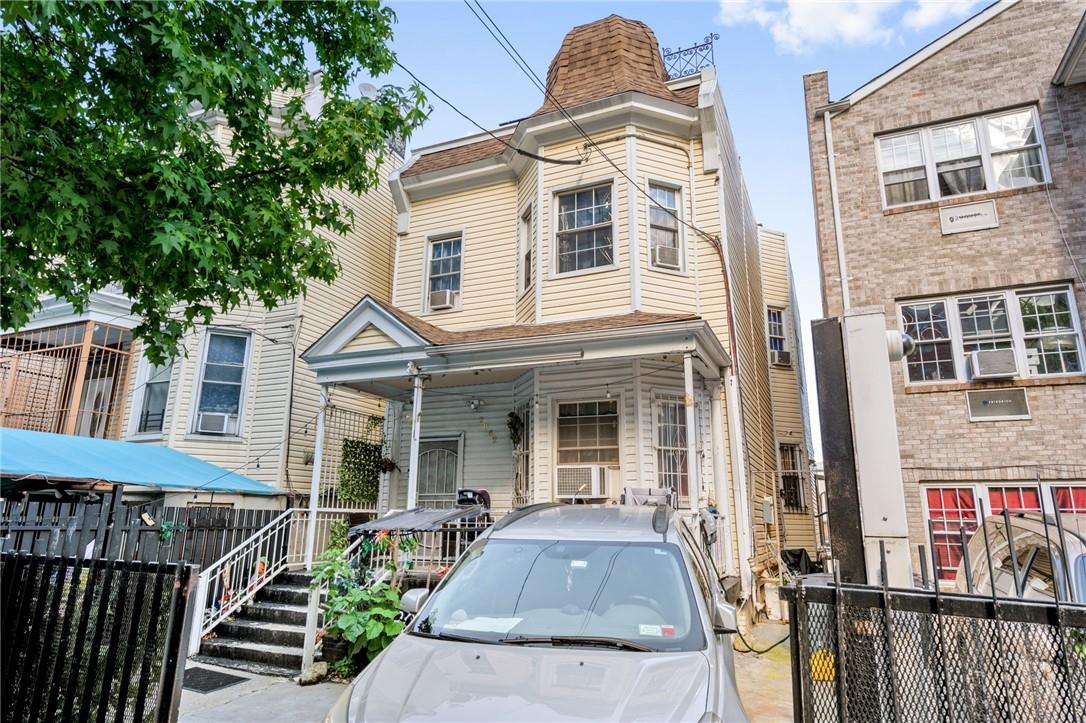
pixel 563 613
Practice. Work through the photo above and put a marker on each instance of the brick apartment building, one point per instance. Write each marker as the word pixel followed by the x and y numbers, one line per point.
pixel 951 190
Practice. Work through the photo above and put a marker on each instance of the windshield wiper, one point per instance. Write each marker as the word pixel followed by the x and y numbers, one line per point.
pixel 452 636
pixel 575 640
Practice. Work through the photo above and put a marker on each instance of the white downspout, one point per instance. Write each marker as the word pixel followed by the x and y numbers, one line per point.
pixel 842 268
pixel 632 219
pixel 315 482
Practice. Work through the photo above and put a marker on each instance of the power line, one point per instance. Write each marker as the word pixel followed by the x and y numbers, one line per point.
pixel 525 68
pixel 465 116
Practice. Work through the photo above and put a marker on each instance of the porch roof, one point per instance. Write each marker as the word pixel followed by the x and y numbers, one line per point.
pixel 401 338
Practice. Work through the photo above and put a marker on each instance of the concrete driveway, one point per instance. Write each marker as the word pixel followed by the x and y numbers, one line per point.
pixel 260 698
pixel 765 681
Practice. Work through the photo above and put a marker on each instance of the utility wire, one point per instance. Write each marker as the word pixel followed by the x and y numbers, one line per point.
pixel 525 68
pixel 465 116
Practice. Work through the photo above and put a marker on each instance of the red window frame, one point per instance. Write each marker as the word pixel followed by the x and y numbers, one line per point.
pixel 1015 498
pixel 1070 498
pixel 950 510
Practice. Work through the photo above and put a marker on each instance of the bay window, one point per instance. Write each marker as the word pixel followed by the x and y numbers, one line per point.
pixel 986 153
pixel 585 232
pixel 220 385
pixel 1039 326
pixel 665 250
pixel 526 243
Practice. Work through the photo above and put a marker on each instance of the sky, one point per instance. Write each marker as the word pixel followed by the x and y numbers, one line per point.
pixel 763 51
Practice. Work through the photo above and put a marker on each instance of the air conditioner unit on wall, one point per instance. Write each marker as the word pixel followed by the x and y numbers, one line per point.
pixel 216 423
pixel 780 358
pixel 993 364
pixel 581 480
pixel 666 257
pixel 443 299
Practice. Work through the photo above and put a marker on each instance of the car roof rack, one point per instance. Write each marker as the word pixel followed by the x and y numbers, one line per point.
pixel 523 512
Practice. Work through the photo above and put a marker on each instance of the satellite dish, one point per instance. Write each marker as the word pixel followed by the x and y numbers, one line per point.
pixel 368 90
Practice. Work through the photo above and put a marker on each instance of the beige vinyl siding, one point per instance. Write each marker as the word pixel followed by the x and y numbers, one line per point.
pixel 526 199
pixel 665 291
pixel 564 296
pixel 789 412
pixel 369 338
pixel 487 451
pixel 487 219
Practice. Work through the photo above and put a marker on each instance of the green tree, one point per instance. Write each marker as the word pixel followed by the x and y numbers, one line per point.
pixel 109 174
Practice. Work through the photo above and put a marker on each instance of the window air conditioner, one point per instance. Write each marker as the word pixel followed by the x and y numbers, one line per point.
pixel 993 364
pixel 581 480
pixel 780 358
pixel 216 423
pixel 443 299
pixel 666 257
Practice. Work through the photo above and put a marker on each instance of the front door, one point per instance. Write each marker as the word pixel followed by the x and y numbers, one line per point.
pixel 439 472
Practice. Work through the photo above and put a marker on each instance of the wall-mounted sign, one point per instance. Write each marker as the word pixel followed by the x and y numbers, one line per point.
pixel 994 405
pixel 968 217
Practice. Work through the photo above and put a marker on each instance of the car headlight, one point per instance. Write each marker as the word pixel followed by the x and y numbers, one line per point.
pixel 339 711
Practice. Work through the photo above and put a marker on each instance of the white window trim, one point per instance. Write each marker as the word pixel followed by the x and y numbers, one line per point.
pixel 798 472
pixel 552 254
pixel 1014 315
pixel 523 245
pixel 680 211
pixel 135 408
pixel 783 311
pixel 670 397
pixel 985 157
pixel 198 381
pixel 446 235
pixel 621 408
pixel 983 506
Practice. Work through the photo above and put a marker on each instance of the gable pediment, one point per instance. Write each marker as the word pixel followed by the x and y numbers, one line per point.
pixel 368 327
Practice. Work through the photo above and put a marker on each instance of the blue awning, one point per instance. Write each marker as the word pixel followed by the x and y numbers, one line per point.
pixel 63 457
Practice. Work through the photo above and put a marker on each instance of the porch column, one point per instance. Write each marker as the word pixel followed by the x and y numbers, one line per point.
pixel 693 480
pixel 315 482
pixel 720 483
pixel 416 431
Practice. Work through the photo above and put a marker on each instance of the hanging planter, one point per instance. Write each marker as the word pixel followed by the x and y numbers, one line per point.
pixel 516 428
pixel 360 468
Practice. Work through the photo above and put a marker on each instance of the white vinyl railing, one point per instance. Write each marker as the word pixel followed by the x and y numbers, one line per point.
pixel 238 575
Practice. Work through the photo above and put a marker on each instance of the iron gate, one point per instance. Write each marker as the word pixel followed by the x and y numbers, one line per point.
pixel 865 653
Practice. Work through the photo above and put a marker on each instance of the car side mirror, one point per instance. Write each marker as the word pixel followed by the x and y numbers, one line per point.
pixel 413 600
pixel 724 619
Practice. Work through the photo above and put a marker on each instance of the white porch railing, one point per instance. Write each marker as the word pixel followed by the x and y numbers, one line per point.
pixel 238 575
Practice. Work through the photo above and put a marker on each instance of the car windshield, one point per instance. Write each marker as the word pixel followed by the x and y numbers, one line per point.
pixel 505 590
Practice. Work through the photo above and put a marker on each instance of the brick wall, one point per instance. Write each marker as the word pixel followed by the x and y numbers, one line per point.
pixel 901 253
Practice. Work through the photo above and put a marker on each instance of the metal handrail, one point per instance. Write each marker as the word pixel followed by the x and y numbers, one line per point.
pixel 238 575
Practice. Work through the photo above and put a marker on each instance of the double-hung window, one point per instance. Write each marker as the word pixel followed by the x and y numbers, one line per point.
pixel 585 232
pixel 1039 326
pixel 155 391
pixel 985 153
pixel 221 383
pixel 672 471
pixel 588 432
pixel 775 329
pixel 665 248
pixel 526 239
pixel 444 269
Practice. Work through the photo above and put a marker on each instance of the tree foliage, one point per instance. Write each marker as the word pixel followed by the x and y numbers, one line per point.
pixel 110 173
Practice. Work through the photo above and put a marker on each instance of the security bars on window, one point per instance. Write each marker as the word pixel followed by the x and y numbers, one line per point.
pixel 584 229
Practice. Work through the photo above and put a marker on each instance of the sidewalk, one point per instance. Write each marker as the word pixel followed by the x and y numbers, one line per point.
pixel 261 698
pixel 765 681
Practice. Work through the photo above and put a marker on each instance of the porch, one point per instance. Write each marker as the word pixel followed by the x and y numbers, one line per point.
pixel 569 411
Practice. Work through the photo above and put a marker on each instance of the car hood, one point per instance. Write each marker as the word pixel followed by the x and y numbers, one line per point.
pixel 437 680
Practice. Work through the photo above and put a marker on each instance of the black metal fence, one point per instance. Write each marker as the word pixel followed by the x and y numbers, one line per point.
pixel 864 653
pixel 101 526
pixel 92 639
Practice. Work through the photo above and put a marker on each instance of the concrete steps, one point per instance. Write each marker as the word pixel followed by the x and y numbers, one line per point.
pixel 265 636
